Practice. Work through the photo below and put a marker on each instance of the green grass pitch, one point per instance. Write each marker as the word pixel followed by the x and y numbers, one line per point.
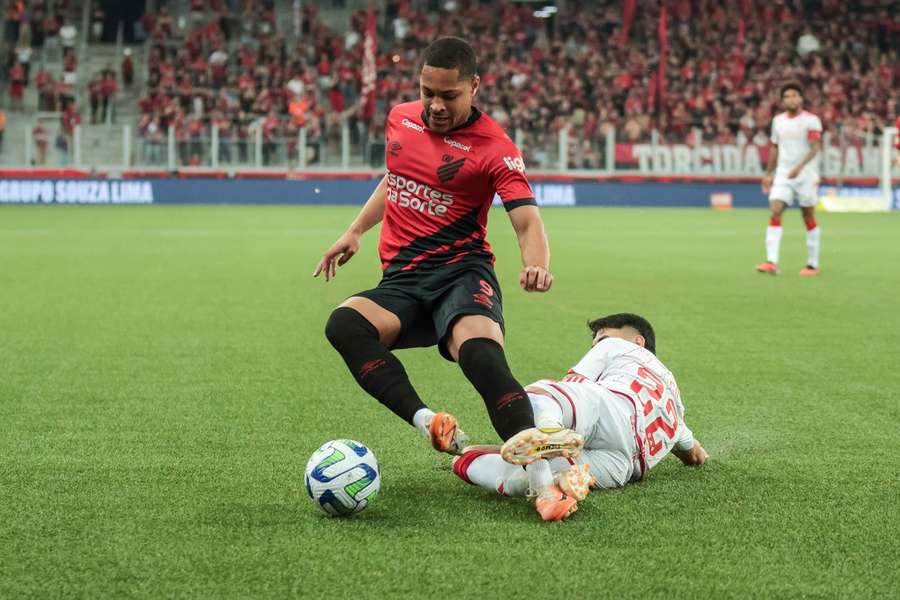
pixel 164 377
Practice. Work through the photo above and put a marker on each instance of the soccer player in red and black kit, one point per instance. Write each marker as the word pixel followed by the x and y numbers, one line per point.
pixel 445 162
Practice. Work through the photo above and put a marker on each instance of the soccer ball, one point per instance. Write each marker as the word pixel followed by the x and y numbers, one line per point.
pixel 342 477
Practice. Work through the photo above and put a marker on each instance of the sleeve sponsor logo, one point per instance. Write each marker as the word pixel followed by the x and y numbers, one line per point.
pixel 514 163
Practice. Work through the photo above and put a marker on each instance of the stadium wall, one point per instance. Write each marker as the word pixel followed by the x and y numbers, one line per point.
pixel 75 187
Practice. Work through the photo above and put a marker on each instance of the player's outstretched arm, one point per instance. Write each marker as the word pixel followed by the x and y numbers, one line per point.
pixel 535 275
pixel 347 245
pixel 694 457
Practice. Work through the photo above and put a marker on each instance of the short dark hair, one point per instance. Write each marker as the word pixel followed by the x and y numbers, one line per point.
pixel 451 53
pixel 791 85
pixel 619 320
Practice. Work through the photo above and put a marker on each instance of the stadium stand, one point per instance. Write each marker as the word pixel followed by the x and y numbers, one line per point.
pixel 590 68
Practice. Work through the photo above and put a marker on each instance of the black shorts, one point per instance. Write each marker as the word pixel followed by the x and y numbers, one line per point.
pixel 427 302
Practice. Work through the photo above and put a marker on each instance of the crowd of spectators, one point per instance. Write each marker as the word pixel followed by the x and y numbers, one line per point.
pixel 725 64
pixel 38 29
pixel 228 65
pixel 36 33
pixel 230 70
pixel 577 69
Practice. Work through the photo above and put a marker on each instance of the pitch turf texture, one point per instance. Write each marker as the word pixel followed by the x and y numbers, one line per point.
pixel 165 377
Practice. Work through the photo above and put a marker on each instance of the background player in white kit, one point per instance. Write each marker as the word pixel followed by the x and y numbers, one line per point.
pixel 796 139
pixel 620 398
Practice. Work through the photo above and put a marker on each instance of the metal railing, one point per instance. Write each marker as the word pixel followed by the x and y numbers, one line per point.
pixel 348 146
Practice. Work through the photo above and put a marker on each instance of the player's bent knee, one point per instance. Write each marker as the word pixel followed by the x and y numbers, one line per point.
pixel 471 327
pixel 346 325
pixel 470 357
pixel 481 355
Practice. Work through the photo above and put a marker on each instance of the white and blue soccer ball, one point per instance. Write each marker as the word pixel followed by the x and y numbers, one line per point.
pixel 342 477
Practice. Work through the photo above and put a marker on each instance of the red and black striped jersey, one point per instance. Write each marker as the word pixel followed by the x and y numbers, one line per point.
pixel 440 187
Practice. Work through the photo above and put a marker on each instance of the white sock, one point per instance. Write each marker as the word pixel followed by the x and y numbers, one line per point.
pixel 547 413
pixel 812 246
pixel 773 243
pixel 539 474
pixel 421 418
pixel 491 472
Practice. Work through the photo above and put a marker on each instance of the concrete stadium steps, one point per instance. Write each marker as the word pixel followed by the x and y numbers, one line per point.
pixel 101 142
pixel 18 126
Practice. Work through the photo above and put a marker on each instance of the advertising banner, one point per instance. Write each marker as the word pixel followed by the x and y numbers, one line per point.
pixel 346 191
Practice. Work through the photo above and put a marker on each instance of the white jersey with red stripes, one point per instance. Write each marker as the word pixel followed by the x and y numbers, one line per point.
pixel 792 135
pixel 621 398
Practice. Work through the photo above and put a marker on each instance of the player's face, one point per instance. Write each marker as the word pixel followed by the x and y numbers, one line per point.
pixel 629 334
pixel 792 100
pixel 447 98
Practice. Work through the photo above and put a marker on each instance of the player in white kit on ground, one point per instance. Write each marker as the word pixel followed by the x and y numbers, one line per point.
pixel 796 140
pixel 620 398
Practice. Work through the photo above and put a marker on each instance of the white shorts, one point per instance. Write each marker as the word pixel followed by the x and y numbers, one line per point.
pixel 607 423
pixel 804 189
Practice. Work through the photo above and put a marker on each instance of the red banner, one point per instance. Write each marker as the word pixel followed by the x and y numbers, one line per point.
pixel 369 71
pixel 663 49
pixel 628 7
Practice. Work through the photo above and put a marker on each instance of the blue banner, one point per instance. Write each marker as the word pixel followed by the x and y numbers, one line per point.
pixel 356 191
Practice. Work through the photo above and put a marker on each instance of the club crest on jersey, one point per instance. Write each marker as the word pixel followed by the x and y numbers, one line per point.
pixel 395 148
pixel 450 168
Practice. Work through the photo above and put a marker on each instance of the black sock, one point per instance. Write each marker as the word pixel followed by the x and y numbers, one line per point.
pixel 375 369
pixel 483 362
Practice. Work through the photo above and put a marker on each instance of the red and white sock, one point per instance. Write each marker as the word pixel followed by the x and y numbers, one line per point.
pixel 488 470
pixel 813 237
pixel 773 240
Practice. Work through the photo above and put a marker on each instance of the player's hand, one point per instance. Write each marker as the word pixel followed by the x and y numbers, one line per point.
pixel 793 173
pixel 766 184
pixel 535 279
pixel 339 253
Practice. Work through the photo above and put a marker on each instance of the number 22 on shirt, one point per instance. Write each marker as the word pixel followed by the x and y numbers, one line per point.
pixel 659 409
